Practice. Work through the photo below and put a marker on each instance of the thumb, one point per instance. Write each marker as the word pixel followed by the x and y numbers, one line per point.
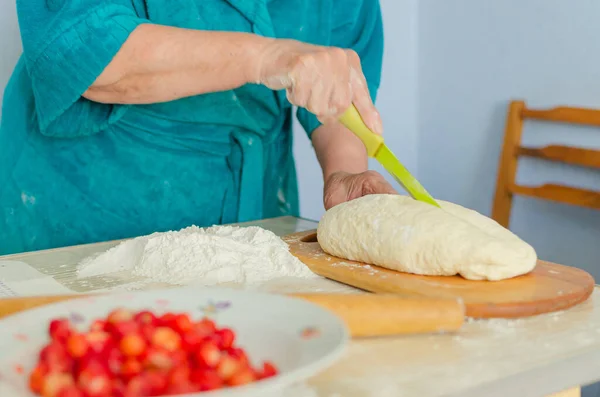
pixel 335 191
pixel 385 188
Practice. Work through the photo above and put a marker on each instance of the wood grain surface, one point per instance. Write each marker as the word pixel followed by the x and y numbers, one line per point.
pixel 549 287
pixel 366 315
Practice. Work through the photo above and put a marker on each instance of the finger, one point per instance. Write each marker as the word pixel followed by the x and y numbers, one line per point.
pixel 298 95
pixel 318 101
pixel 336 190
pixel 341 95
pixel 339 101
pixel 333 198
pixel 301 82
pixel 385 188
pixel 375 183
pixel 333 83
pixel 382 186
pixel 364 104
pixel 341 98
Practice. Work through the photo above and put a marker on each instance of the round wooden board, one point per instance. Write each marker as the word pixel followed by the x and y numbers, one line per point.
pixel 549 287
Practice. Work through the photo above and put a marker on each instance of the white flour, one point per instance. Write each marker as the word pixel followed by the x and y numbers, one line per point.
pixel 209 256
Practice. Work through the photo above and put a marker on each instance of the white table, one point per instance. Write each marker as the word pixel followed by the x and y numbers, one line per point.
pixel 527 357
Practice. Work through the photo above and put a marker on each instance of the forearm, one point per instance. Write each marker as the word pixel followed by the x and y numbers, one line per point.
pixel 338 149
pixel 161 63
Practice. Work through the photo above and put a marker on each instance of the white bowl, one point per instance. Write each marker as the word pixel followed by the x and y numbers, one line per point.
pixel 299 337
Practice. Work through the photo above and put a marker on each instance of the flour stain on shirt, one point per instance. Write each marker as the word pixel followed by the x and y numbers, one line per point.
pixel 28 200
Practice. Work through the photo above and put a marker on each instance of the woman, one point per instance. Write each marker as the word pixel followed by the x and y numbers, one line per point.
pixel 125 117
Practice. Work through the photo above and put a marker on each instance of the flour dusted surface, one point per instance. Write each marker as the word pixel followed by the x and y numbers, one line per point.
pixel 214 255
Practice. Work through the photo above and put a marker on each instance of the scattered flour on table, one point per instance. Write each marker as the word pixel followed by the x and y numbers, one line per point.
pixel 214 255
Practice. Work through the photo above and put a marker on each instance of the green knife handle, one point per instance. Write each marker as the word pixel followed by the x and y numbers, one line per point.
pixel 352 120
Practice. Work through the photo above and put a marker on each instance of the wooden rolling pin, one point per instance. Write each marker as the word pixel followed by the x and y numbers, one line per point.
pixel 381 315
pixel 365 314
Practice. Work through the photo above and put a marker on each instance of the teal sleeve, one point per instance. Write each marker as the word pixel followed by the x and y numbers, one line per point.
pixel 66 45
pixel 359 28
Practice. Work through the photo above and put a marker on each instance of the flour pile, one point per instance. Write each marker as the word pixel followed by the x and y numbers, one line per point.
pixel 214 255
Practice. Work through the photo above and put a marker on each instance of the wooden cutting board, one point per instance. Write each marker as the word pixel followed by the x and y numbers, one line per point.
pixel 549 287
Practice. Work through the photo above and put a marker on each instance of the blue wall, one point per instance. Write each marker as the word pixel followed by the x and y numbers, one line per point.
pixel 474 56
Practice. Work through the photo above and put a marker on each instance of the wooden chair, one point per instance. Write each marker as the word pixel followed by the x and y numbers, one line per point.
pixel 506 186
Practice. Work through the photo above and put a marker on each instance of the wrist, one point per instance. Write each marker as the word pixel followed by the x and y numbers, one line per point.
pixel 345 158
pixel 256 50
pixel 338 150
pixel 350 165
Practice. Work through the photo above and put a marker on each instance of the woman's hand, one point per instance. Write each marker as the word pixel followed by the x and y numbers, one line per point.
pixel 342 186
pixel 324 80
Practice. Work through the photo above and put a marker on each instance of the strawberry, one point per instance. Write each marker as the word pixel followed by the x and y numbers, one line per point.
pixel 89 368
pixel 133 345
pixel 99 385
pixel 242 377
pixel 56 358
pixel 166 320
pixel 117 389
pixel 98 325
pixel 36 378
pixel 147 331
pixel 208 355
pixel 118 316
pixel 158 359
pixel 130 368
pixel 166 338
pixel 114 361
pixel 137 387
pixel 227 367
pixel 182 323
pixel 268 370
pixel 100 342
pixel 180 357
pixel 239 354
pixel 206 379
pixel 55 382
pixel 156 381
pixel 225 337
pixel 179 374
pixel 191 340
pixel 77 345
pixel 205 326
pixel 124 328
pixel 70 391
pixel 181 388
pixel 59 329
pixel 145 318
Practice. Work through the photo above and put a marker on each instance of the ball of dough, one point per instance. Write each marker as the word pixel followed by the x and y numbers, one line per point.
pixel 400 233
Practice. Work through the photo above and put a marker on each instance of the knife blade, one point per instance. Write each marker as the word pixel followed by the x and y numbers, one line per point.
pixel 377 149
pixel 392 165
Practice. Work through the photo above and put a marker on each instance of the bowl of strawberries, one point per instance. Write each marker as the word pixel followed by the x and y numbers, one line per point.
pixel 188 342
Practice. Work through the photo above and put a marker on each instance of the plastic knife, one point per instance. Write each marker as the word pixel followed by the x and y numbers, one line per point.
pixel 377 149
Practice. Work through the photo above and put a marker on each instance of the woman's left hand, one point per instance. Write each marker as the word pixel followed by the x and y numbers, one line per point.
pixel 342 186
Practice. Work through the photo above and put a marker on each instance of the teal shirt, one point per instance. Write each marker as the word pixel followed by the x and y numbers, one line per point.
pixel 74 171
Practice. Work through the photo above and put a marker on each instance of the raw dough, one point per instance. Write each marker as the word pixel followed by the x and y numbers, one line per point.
pixel 403 234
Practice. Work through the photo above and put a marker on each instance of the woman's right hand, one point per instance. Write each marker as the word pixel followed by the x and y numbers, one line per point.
pixel 324 80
